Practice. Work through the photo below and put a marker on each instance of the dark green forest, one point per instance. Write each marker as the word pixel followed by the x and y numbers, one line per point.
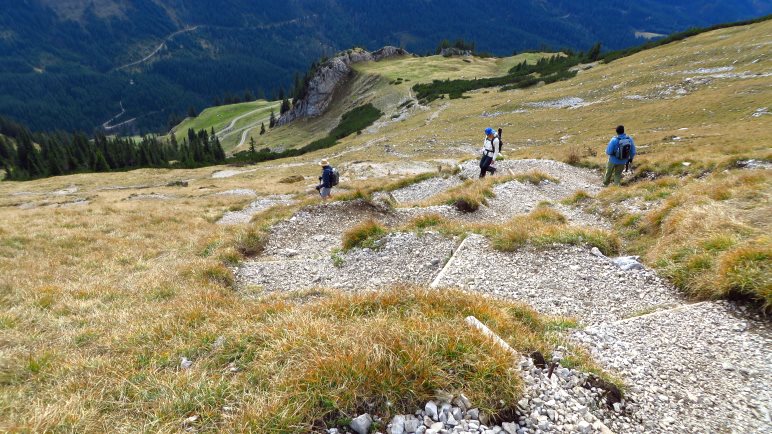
pixel 59 70
pixel 25 155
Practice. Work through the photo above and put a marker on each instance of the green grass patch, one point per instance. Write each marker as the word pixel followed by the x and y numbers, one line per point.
pixel 523 75
pixel 364 235
pixel 351 122
pixel 580 196
pixel 219 274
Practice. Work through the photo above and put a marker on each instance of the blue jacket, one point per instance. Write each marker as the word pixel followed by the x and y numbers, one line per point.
pixel 612 148
pixel 327 177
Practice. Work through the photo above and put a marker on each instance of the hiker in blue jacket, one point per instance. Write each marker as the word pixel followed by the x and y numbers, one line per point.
pixel 620 151
pixel 325 188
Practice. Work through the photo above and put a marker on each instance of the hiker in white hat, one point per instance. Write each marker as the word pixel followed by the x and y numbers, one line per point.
pixel 328 179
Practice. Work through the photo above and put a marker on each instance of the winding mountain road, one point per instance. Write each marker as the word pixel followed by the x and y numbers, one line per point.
pixel 223 132
pixel 157 49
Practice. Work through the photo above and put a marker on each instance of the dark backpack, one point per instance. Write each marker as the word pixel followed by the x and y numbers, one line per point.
pixel 335 178
pixel 624 149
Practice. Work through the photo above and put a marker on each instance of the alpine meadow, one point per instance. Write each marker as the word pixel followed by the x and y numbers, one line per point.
pixel 308 245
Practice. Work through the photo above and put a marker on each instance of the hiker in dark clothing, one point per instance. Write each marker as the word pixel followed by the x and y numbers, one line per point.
pixel 620 151
pixel 490 151
pixel 325 188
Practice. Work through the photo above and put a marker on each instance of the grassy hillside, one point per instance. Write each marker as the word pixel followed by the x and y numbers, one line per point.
pixel 108 279
pixel 68 64
pixel 386 84
pixel 247 116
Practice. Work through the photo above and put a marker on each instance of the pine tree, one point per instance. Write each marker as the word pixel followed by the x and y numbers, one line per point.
pixel 262 128
pixel 219 153
pixel 272 120
pixel 8 170
pixel 285 106
pixel 28 157
pixel 252 146
pixel 594 53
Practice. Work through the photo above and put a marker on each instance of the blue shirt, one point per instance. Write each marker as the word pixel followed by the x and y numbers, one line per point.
pixel 327 177
pixel 611 149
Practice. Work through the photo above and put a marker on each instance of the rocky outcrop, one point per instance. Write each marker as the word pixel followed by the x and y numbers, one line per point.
pixel 452 51
pixel 329 77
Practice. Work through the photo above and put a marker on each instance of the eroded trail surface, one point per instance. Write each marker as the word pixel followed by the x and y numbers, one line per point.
pixel 702 367
pixel 564 280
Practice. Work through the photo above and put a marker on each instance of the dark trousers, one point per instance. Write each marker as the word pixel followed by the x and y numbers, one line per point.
pixel 485 166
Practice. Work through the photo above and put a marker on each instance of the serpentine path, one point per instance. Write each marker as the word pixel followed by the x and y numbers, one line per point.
pixel 157 49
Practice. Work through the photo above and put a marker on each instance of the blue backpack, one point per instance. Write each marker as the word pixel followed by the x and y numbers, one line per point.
pixel 624 148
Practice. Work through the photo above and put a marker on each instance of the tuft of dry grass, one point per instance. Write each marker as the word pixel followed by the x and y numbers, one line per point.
pixel 543 227
pixel 364 234
pixel 385 353
pixel 708 235
pixel 469 196
pixel 546 214
pixel 580 196
pixel 250 242
pixel 747 271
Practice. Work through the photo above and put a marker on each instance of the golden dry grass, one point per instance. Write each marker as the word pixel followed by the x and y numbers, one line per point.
pixel 708 235
pixel 541 228
pixel 101 301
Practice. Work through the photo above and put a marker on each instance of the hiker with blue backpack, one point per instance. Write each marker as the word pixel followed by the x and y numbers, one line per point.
pixel 328 179
pixel 620 151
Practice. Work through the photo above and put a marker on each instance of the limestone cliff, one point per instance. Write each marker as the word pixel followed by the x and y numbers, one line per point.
pixel 329 77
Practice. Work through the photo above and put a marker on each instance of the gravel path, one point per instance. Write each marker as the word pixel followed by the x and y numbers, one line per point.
pixel 315 231
pixel 702 368
pixel 562 280
pixel 425 189
pixel 571 178
pixel 245 215
pixel 514 197
pixel 399 258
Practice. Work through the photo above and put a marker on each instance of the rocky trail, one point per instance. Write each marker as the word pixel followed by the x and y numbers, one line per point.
pixel 689 367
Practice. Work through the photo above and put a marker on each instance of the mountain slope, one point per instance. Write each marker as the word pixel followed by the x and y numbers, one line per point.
pixel 60 61
pixel 282 345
